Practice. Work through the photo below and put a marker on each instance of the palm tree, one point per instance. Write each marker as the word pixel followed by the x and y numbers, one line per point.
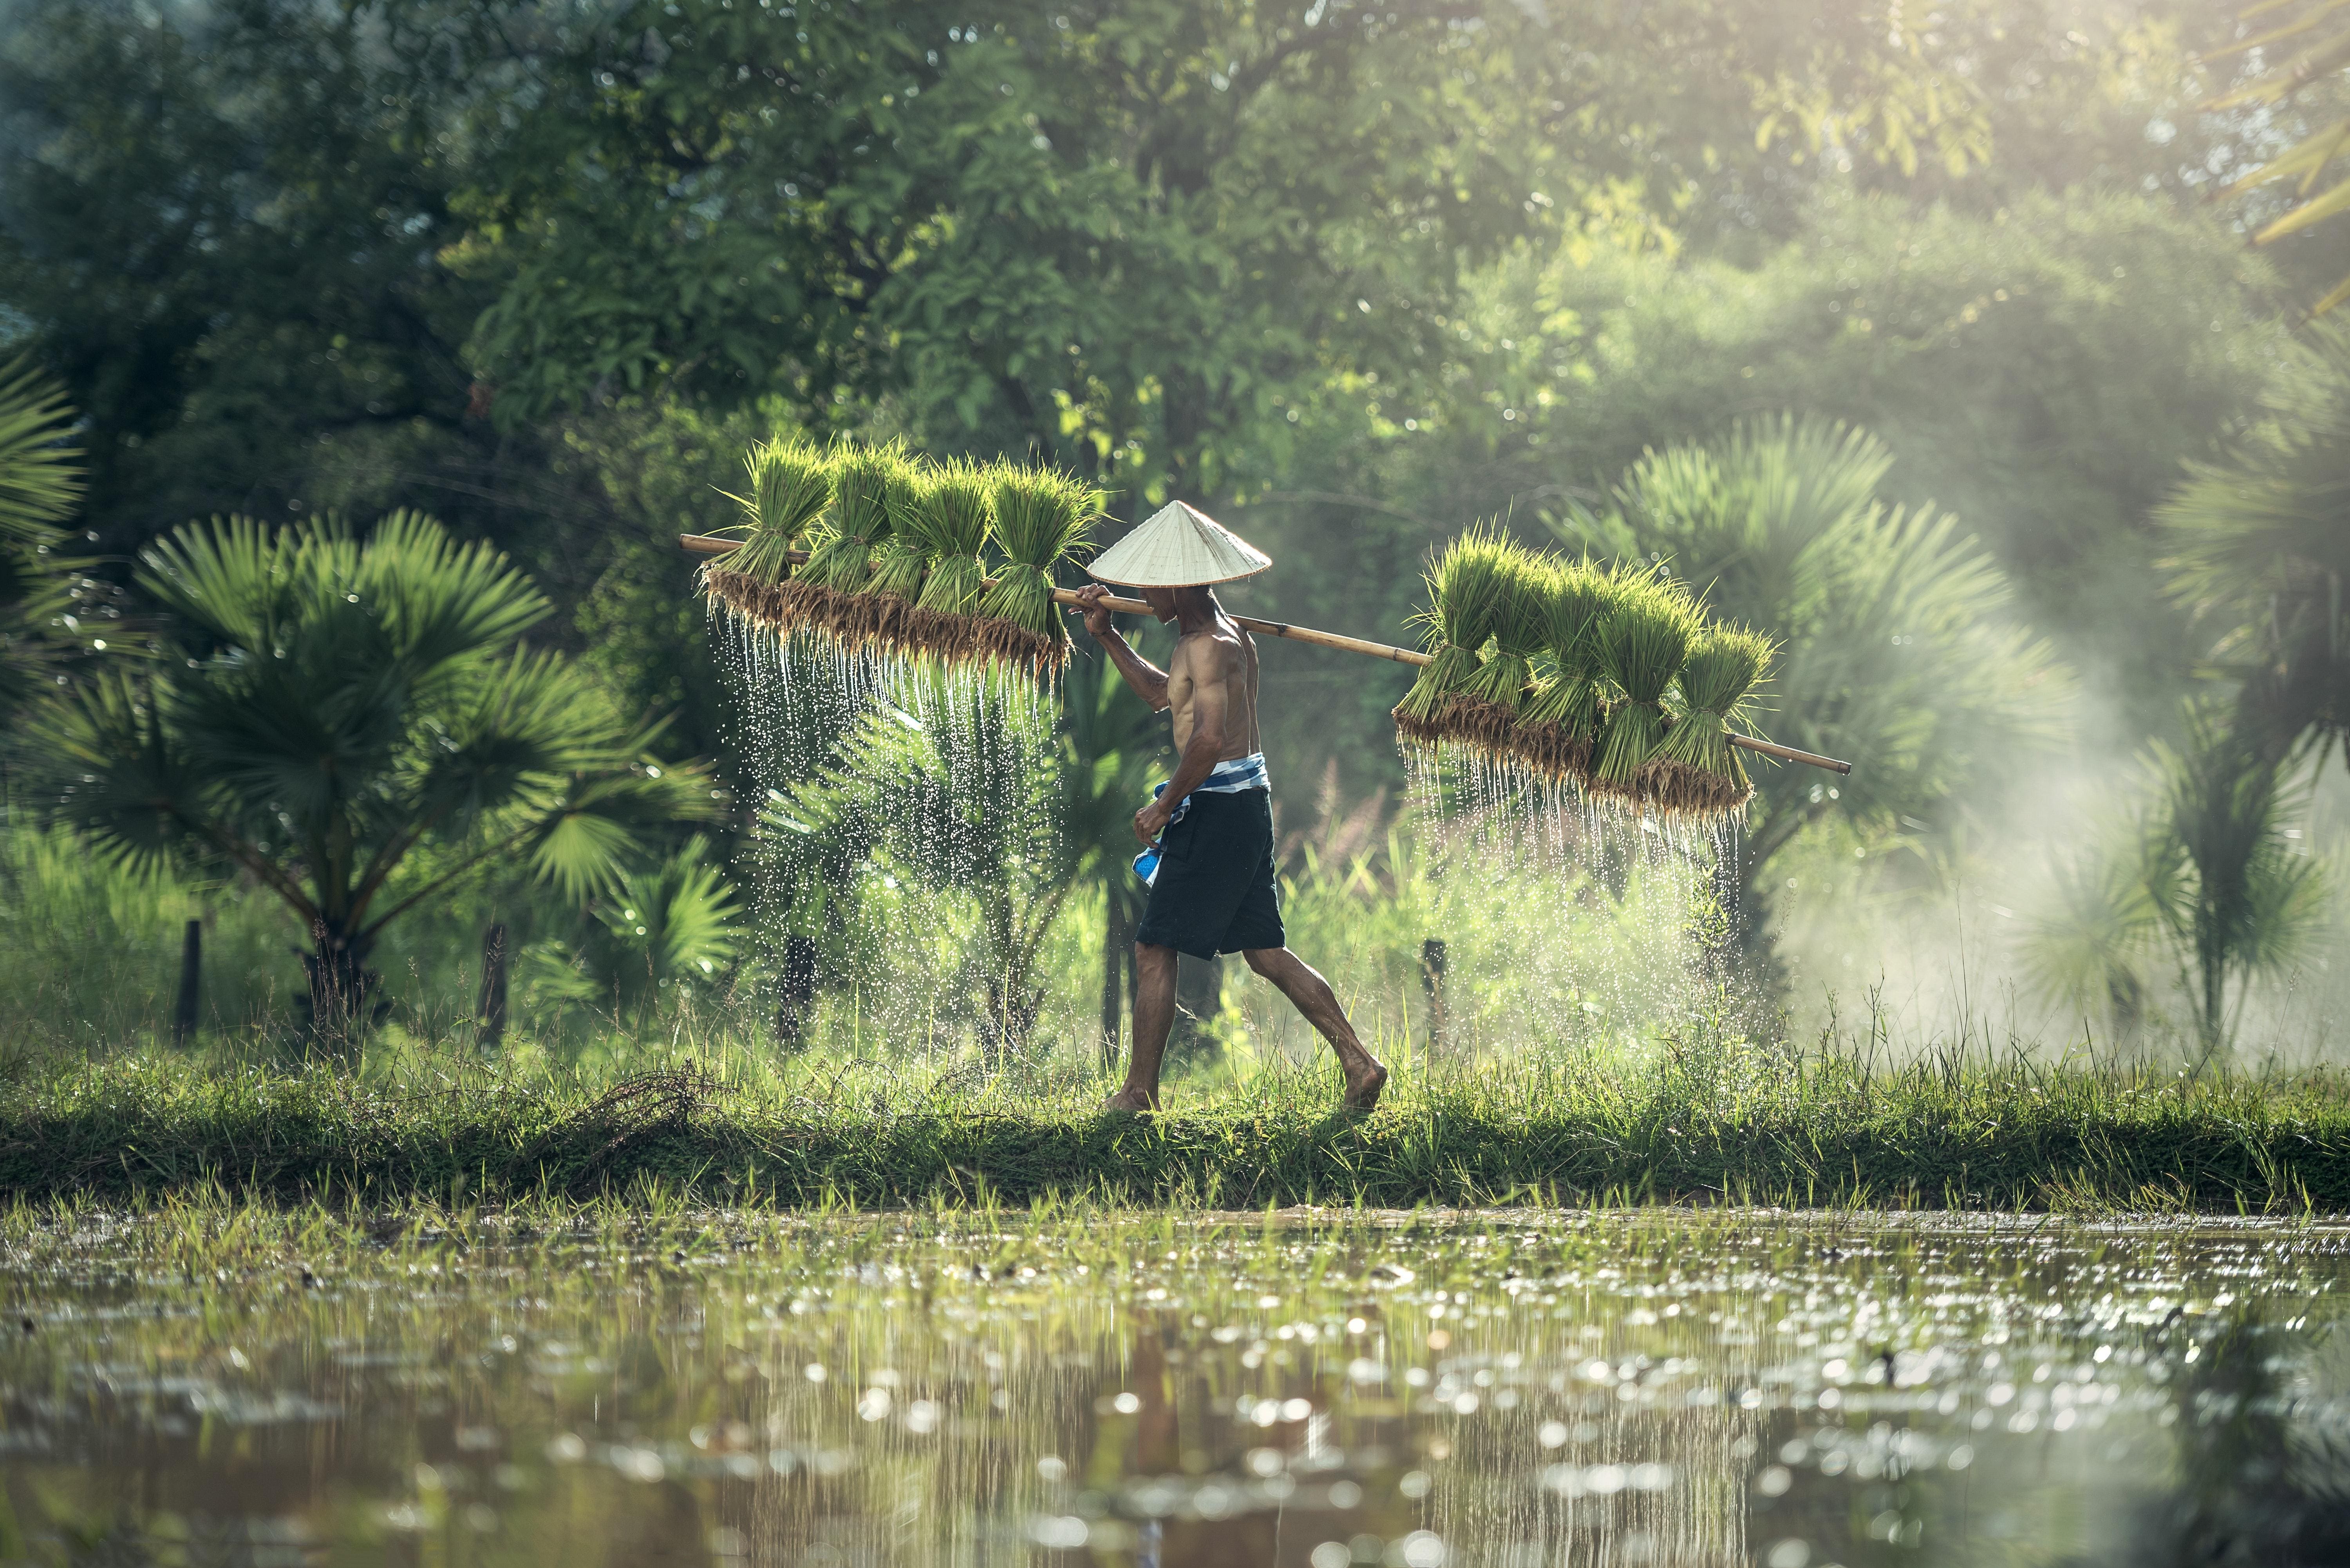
pixel 660 930
pixel 947 786
pixel 969 791
pixel 1901 648
pixel 2088 948
pixel 2261 548
pixel 39 483
pixel 2210 874
pixel 353 724
pixel 2302 43
pixel 2222 875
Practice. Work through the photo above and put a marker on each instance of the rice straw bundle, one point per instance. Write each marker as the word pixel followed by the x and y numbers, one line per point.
pixel 952 522
pixel 791 484
pixel 831 586
pixel 899 558
pixel 1042 517
pixel 1468 585
pixel 1643 642
pixel 1695 771
pixel 1486 711
pixel 1560 724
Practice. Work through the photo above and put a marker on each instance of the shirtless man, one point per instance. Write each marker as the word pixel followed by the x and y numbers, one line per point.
pixel 1215 889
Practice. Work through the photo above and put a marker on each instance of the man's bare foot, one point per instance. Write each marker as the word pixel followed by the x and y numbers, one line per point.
pixel 1364 1084
pixel 1135 1102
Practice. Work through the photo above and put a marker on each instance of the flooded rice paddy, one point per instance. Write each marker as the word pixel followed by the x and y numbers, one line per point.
pixel 220 1385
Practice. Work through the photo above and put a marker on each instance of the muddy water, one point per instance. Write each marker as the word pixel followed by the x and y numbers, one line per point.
pixel 1470 1389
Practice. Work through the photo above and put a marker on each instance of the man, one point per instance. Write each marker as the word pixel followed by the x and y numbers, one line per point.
pixel 1208 832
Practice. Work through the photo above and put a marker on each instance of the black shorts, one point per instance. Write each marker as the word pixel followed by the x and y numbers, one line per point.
pixel 1215 892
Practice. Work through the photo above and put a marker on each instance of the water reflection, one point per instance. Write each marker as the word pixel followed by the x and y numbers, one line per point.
pixel 1314 1390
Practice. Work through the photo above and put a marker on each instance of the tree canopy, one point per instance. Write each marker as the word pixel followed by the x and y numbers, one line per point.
pixel 352 725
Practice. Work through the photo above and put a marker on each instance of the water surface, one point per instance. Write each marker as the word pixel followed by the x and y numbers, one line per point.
pixel 1072 1387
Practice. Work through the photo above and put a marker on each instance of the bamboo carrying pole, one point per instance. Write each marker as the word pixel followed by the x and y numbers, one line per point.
pixel 706 545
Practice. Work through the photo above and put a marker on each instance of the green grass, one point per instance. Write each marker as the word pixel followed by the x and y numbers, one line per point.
pixel 1710 1119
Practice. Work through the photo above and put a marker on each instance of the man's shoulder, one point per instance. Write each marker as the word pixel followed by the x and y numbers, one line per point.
pixel 1216 644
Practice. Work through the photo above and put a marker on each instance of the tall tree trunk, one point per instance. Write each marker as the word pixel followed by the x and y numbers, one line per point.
pixel 1117 937
pixel 188 1004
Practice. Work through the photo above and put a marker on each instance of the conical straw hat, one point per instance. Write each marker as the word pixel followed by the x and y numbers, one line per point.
pixel 1179 547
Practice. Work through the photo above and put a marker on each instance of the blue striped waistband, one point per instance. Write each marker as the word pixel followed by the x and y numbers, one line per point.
pixel 1236 776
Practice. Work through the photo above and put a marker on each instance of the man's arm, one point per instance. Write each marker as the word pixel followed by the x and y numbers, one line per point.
pixel 1148 682
pixel 1212 665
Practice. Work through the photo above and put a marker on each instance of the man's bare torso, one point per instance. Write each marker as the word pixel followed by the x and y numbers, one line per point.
pixel 1208 656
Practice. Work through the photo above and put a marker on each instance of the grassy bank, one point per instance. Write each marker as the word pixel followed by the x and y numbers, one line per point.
pixel 1709 1120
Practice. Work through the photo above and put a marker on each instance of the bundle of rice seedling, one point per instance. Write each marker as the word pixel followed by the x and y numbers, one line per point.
pixel 791 484
pixel 1042 517
pixel 1468 587
pixel 953 521
pixel 840 558
pixel 1643 642
pixel 899 558
pixel 1560 723
pixel 1485 713
pixel 1695 771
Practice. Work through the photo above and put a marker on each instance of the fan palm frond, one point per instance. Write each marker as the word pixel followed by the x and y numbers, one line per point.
pixel 40 469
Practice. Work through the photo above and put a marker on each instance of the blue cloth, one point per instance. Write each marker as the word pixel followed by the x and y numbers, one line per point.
pixel 1233 777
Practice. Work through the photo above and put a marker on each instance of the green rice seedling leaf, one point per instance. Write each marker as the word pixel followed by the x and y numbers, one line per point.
pixel 1520 622
pixel 899 557
pixel 955 525
pixel 1562 718
pixel 1042 517
pixel 1466 585
pixel 951 521
pixel 862 476
pixel 1643 643
pixel 1716 698
pixel 791 484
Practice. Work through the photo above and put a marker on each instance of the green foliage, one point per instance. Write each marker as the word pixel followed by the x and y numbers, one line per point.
pixel 1817 1124
pixel 1565 716
pixel 40 477
pixel 222 232
pixel 2216 876
pixel 355 730
pixel 2088 948
pixel 1138 239
pixel 1902 651
pixel 927 846
pixel 94 947
pixel 39 483
pixel 666 927
pixel 2299 45
pixel 2260 552
pixel 2232 889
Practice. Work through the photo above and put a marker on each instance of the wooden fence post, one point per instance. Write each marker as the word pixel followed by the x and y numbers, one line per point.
pixel 798 1000
pixel 184 1007
pixel 493 1010
pixel 1432 984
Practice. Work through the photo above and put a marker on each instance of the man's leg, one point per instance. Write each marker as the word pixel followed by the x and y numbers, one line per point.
pixel 1154 1015
pixel 1312 995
